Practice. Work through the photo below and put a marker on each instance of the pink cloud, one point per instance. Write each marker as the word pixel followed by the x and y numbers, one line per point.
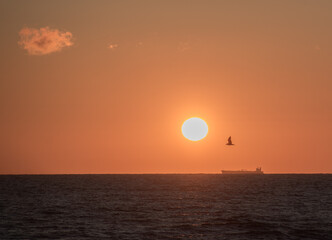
pixel 184 46
pixel 113 46
pixel 44 40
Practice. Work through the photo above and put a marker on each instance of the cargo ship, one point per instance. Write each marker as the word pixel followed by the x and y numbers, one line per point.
pixel 258 171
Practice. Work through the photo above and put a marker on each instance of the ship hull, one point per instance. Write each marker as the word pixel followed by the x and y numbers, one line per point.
pixel 243 172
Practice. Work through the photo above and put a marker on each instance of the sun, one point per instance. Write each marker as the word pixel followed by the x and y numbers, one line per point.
pixel 194 129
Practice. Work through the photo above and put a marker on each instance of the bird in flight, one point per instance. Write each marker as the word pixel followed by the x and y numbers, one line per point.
pixel 229 141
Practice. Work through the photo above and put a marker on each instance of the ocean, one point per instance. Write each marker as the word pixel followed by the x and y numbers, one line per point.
pixel 166 206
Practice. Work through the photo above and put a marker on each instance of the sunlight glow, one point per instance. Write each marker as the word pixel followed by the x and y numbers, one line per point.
pixel 194 129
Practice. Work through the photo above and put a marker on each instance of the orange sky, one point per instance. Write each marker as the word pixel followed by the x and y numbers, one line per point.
pixel 104 86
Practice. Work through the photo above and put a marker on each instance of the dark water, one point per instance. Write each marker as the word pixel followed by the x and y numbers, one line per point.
pixel 166 207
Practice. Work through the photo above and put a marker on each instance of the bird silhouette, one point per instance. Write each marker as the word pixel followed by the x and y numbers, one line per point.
pixel 229 141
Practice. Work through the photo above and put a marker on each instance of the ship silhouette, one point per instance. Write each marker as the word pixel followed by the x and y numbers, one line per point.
pixel 257 172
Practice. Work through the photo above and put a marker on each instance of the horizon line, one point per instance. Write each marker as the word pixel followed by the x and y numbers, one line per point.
pixel 152 173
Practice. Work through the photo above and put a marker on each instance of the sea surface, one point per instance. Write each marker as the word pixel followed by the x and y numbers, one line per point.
pixel 166 206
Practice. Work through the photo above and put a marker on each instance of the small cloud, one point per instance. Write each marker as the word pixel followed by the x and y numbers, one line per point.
pixel 317 47
pixel 44 40
pixel 184 46
pixel 139 44
pixel 113 46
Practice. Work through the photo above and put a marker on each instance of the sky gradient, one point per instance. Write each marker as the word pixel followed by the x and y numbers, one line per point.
pixel 104 86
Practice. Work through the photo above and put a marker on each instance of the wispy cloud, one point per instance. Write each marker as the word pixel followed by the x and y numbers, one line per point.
pixel 113 46
pixel 184 46
pixel 44 40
